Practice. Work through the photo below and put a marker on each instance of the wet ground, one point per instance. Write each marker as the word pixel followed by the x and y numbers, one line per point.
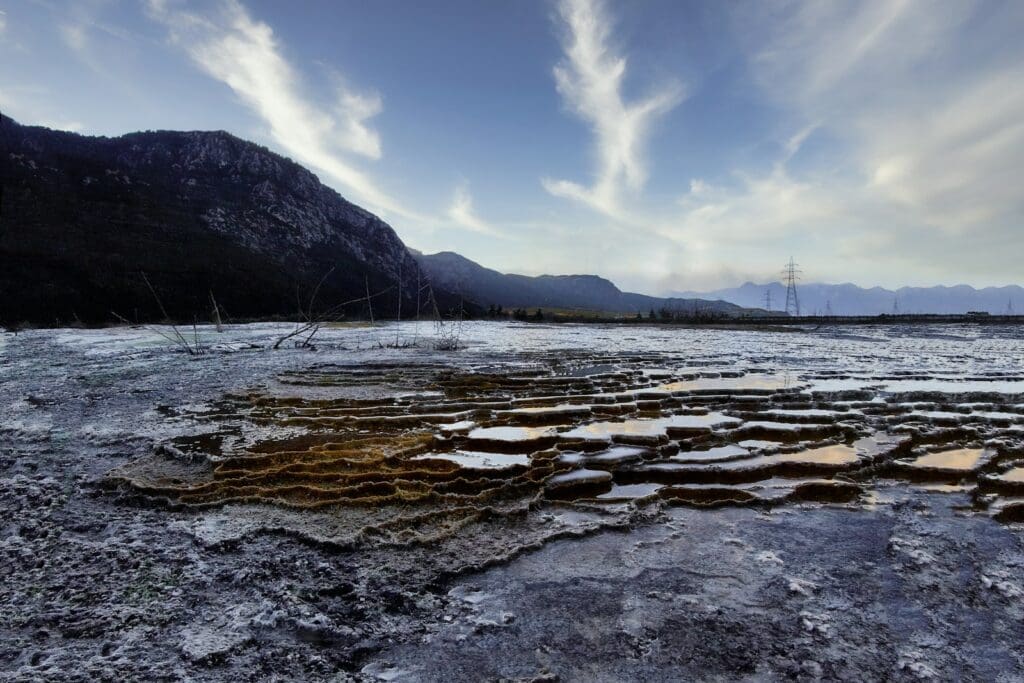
pixel 560 502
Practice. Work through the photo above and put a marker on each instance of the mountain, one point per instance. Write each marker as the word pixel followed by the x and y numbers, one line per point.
pixel 585 292
pixel 849 299
pixel 82 219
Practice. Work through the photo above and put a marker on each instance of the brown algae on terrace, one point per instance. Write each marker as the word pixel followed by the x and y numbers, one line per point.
pixel 443 449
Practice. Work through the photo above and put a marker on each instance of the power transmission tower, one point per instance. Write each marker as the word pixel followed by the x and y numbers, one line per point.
pixel 828 308
pixel 792 274
pixel 768 298
pixel 1009 307
pixel 896 305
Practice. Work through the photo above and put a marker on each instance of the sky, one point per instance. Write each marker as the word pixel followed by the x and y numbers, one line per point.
pixel 665 144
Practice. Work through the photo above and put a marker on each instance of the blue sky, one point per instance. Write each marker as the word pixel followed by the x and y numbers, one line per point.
pixel 666 145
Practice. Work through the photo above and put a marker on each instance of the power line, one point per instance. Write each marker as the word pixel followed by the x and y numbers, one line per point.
pixel 792 275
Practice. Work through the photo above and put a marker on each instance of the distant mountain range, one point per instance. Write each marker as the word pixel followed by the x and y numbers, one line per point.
pixel 580 292
pixel 89 224
pixel 90 227
pixel 849 299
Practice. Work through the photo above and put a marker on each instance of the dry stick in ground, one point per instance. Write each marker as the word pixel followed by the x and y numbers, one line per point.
pixel 419 291
pixel 330 315
pixel 154 330
pixel 216 313
pixel 399 302
pixel 178 338
pixel 448 336
pixel 311 325
pixel 369 305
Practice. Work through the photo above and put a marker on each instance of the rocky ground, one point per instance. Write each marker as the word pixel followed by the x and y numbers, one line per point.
pixel 104 579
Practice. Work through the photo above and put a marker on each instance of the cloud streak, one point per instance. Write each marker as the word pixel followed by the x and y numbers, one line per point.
pixel 917 139
pixel 590 80
pixel 462 213
pixel 243 53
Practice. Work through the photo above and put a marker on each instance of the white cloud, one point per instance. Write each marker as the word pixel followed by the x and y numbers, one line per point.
pixel 30 105
pixel 461 212
pixel 74 36
pixel 759 210
pixel 919 141
pixel 932 127
pixel 590 81
pixel 243 53
pixel 3 21
pixel 354 110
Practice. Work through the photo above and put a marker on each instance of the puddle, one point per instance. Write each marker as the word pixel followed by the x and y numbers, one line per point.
pixel 828 455
pixel 719 454
pixel 646 430
pixel 750 382
pixel 578 480
pixel 959 460
pixel 1014 476
pixel 479 460
pixel 516 437
pixel 630 491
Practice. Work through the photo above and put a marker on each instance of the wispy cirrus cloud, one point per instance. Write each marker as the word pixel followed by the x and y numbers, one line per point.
pixel 243 53
pixel 590 81
pixel 31 103
pixel 462 214
pixel 921 139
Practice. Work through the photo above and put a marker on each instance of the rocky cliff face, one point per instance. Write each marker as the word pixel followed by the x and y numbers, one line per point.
pixel 82 218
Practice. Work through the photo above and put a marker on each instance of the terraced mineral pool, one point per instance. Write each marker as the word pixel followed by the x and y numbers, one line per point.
pixel 458 446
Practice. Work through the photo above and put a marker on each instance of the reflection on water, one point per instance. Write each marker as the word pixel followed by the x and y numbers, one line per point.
pixel 750 382
pixel 650 427
pixel 511 434
pixel 961 459
pixel 479 459
pixel 1015 475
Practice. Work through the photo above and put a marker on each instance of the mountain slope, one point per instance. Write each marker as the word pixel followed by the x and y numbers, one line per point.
pixel 585 292
pixel 82 218
pixel 849 299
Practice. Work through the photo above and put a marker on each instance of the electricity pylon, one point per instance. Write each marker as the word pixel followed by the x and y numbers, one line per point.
pixel 768 298
pixel 792 274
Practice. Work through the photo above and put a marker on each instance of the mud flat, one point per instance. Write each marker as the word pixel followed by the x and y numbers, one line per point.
pixel 564 502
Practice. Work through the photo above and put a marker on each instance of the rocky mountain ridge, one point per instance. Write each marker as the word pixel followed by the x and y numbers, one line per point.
pixel 199 213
